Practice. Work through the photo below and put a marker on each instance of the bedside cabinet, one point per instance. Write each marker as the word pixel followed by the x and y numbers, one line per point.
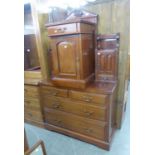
pixel 73 50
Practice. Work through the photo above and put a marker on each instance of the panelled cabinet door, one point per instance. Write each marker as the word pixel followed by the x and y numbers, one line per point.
pixel 65 57
pixel 106 60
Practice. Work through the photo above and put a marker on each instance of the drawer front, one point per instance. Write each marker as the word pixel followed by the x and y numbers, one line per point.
pixel 79 124
pixel 62 29
pixel 51 91
pixel 31 91
pixel 96 99
pixel 76 107
pixel 33 104
pixel 33 115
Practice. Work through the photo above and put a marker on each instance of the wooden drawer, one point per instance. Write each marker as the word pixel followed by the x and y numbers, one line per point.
pixel 76 107
pixel 62 29
pixel 31 91
pixel 32 115
pixel 97 99
pixel 79 124
pixel 33 104
pixel 51 91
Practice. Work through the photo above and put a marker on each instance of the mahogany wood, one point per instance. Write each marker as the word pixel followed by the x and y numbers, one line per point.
pixel 107 57
pixel 76 107
pixel 72 53
pixel 97 99
pixel 79 124
pixel 88 115
pixel 32 106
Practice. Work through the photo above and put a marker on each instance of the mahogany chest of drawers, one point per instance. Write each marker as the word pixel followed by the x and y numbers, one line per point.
pixel 88 115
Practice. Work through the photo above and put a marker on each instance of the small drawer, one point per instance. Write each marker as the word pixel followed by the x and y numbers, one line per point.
pixel 75 123
pixel 31 91
pixel 96 99
pixel 76 107
pixel 33 115
pixel 33 104
pixel 51 91
pixel 62 29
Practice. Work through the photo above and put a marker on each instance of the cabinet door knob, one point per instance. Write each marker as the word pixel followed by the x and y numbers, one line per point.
pixel 65 46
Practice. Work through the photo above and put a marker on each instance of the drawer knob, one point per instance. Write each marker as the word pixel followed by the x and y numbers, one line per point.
pixel 88 113
pixel 60 30
pixel 87 98
pixel 54 93
pixel 56 106
pixel 88 130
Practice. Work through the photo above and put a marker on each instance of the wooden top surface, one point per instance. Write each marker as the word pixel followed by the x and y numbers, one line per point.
pixel 68 22
pixel 94 87
pixel 32 81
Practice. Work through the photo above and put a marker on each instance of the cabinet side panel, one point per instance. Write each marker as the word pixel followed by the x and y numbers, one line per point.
pixel 88 54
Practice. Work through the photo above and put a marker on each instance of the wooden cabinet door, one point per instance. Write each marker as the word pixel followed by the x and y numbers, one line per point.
pixel 106 61
pixel 65 57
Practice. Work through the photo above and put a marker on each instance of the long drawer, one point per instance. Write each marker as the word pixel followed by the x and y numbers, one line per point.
pixel 79 124
pixel 51 91
pixel 33 115
pixel 96 99
pixel 76 107
pixel 62 29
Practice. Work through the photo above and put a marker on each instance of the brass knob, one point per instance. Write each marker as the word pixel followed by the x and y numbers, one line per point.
pixel 88 113
pixel 65 46
pixel 88 130
pixel 87 98
pixel 56 106
pixel 54 93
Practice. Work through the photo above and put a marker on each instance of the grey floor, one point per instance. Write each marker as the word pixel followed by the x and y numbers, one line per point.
pixel 57 144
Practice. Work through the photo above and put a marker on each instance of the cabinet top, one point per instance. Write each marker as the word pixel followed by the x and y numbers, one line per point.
pixel 69 21
pixel 94 87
